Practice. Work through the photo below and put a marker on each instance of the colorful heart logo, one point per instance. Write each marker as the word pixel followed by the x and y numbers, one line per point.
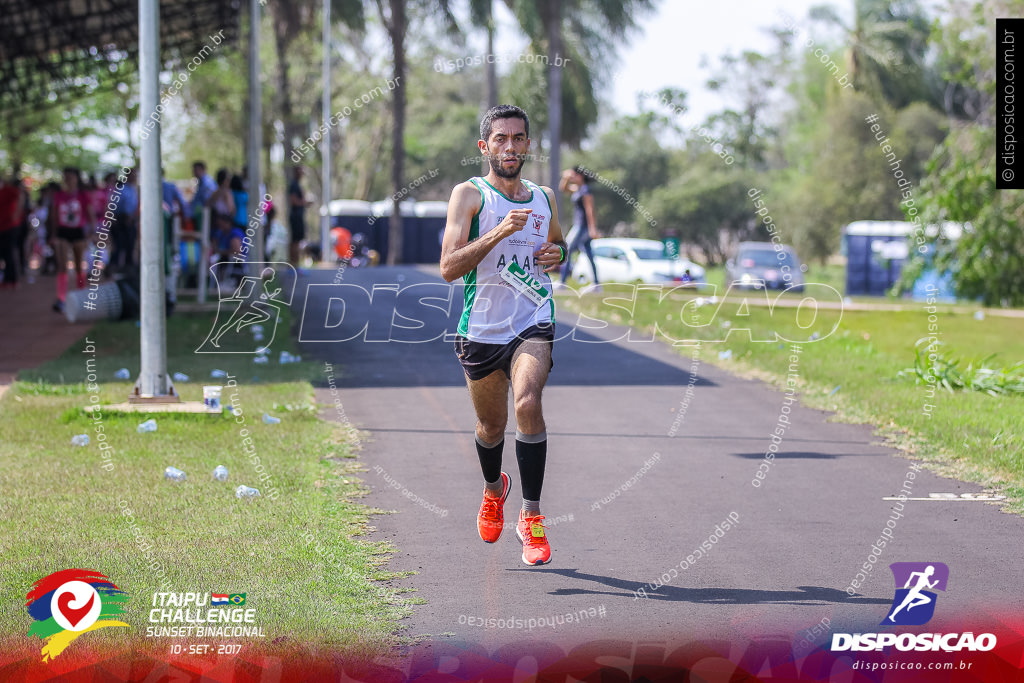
pixel 72 614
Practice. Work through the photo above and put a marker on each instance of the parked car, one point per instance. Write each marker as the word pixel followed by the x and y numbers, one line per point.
pixel 622 259
pixel 763 264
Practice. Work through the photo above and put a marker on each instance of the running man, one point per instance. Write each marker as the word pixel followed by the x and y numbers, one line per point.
pixel 915 598
pixel 503 238
pixel 254 305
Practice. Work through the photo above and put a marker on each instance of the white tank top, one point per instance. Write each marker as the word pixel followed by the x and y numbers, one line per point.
pixel 494 312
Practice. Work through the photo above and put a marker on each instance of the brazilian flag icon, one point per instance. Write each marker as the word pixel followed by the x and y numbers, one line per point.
pixel 237 598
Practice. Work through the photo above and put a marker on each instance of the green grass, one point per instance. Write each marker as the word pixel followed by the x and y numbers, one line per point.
pixel 855 371
pixel 60 507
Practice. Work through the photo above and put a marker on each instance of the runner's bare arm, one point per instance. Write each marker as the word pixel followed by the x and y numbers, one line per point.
pixel 549 254
pixel 459 256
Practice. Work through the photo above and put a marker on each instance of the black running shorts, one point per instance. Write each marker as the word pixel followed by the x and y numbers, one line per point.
pixel 71 234
pixel 479 359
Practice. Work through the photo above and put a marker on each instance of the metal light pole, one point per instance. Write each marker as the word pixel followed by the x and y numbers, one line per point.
pixel 255 125
pixel 325 144
pixel 153 384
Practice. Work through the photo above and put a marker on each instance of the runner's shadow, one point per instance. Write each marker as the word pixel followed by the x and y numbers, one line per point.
pixel 794 455
pixel 801 595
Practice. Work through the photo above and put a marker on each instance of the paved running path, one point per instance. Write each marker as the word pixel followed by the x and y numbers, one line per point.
pixel 610 407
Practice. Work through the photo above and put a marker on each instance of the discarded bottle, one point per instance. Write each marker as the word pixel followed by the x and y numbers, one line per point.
pixel 257 336
pixel 261 360
pixel 218 373
pixel 179 377
pixel 220 473
pixel 174 474
pixel 285 357
pixel 123 374
pixel 725 355
pixel 257 329
pixel 271 420
pixel 147 426
pixel 80 440
pixel 262 350
pixel 246 492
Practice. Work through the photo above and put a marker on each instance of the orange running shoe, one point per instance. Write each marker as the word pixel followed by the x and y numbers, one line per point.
pixel 491 518
pixel 535 542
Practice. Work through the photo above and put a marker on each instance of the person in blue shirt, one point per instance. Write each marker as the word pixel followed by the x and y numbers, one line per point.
pixel 226 244
pixel 174 201
pixel 205 186
pixel 125 230
pixel 241 198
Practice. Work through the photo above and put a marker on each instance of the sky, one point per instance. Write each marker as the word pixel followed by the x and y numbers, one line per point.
pixel 668 48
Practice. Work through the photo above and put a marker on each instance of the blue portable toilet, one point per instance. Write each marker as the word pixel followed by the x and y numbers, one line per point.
pixel 431 219
pixel 379 238
pixel 876 252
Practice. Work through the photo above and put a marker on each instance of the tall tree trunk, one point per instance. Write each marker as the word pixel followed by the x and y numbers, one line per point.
pixel 492 81
pixel 492 68
pixel 397 30
pixel 368 161
pixel 551 14
pixel 292 130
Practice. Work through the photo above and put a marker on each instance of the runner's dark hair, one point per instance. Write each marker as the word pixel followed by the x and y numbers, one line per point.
pixel 502 111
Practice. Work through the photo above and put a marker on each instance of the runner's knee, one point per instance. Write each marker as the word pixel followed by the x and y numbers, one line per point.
pixel 528 404
pixel 490 431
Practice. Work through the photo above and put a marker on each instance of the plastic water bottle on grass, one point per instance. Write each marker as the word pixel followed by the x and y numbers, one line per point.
pixel 80 440
pixel 179 377
pixel 220 473
pixel 271 420
pixel 174 474
pixel 246 492
pixel 123 374
pixel 147 426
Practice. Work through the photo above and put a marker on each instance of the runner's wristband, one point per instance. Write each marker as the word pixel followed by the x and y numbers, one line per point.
pixel 561 249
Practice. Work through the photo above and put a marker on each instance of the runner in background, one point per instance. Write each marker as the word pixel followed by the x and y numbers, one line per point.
pixel 68 218
pixel 584 225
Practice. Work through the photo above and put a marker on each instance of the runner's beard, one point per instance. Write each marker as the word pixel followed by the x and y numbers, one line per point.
pixel 501 171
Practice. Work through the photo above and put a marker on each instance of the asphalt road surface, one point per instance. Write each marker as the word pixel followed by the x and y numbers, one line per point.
pixel 619 419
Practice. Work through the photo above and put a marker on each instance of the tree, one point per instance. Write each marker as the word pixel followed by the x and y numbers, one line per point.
pixel 393 16
pixel 481 14
pixel 592 27
pixel 704 202
pixel 630 157
pixel 987 262
pixel 751 78
pixel 886 49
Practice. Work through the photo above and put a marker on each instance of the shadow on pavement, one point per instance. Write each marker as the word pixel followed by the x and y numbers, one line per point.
pixel 801 595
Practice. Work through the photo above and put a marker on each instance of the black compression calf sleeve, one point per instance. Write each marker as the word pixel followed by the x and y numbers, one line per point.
pixel 531 452
pixel 490 459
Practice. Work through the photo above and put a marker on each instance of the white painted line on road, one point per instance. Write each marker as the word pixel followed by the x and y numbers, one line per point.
pixel 955 497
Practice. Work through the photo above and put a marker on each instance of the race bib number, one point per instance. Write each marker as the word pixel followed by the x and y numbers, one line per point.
pixel 525 283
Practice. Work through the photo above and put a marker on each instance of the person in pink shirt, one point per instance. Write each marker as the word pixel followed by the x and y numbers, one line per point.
pixel 68 218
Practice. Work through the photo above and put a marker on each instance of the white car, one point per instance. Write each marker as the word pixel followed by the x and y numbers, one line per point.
pixel 624 259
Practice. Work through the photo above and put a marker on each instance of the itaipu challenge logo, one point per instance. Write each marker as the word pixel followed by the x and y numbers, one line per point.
pixel 68 603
